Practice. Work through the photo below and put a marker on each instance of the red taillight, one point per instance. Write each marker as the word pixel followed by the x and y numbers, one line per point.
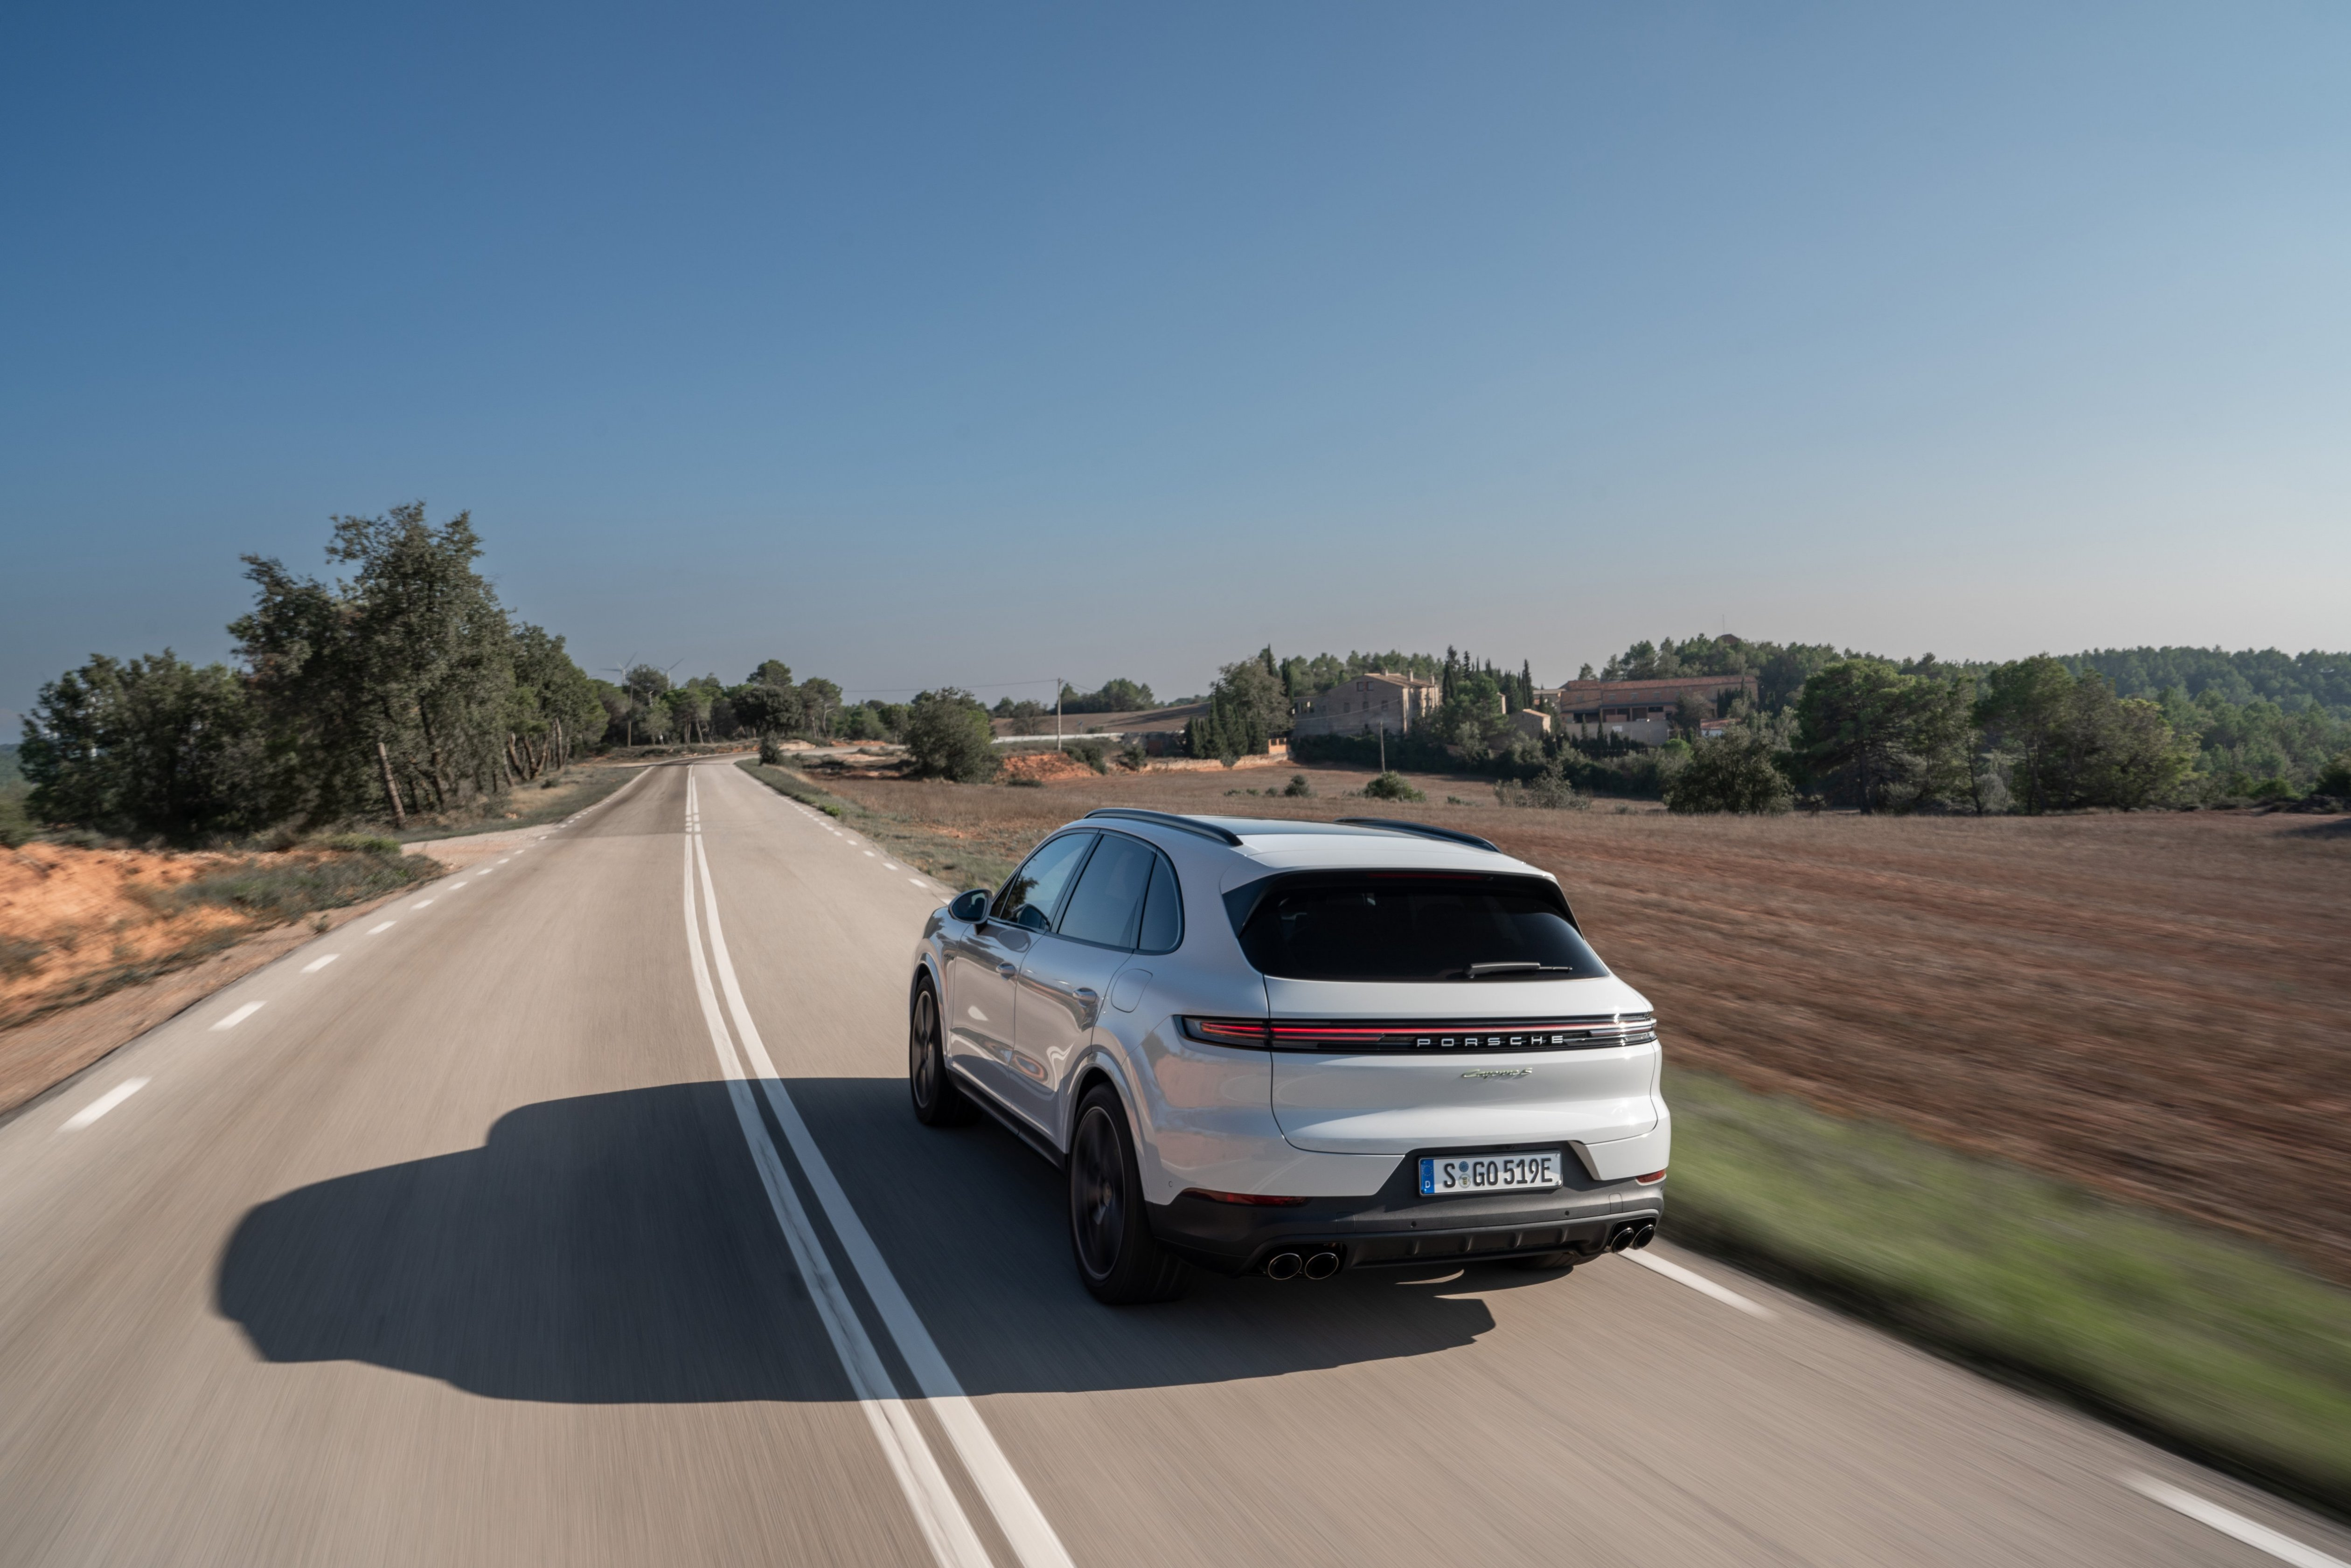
pixel 1652 1179
pixel 1228 1031
pixel 1258 1199
pixel 1319 1036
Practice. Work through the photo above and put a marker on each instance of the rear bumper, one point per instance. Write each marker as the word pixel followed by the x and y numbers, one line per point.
pixel 1396 1225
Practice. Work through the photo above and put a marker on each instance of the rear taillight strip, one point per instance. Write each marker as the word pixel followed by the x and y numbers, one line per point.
pixel 1526 1034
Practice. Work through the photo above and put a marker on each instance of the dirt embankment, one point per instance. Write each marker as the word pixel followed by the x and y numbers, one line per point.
pixel 2154 1005
pixel 96 945
pixel 70 919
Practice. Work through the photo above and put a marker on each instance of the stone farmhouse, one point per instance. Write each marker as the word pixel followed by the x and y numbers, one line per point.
pixel 1638 710
pixel 1378 702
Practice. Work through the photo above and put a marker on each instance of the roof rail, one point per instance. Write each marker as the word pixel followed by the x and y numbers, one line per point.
pixel 1170 819
pixel 1398 825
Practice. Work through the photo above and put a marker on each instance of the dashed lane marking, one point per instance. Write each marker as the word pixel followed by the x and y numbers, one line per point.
pixel 1701 1283
pixel 379 930
pixel 239 1016
pixel 314 964
pixel 102 1104
pixel 2234 1525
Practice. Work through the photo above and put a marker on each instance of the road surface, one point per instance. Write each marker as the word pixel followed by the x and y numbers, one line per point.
pixel 569 1212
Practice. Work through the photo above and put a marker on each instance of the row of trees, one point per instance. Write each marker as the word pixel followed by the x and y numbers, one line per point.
pixel 400 687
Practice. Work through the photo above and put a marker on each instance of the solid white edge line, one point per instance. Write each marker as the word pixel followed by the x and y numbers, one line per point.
pixel 102 1104
pixel 1023 1523
pixel 314 964
pixel 1701 1283
pixel 239 1016
pixel 946 1530
pixel 2235 1526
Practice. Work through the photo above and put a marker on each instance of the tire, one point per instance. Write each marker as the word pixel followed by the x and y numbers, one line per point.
pixel 1120 1261
pixel 939 1099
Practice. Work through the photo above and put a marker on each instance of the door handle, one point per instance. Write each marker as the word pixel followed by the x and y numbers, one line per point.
pixel 1008 970
pixel 1089 1000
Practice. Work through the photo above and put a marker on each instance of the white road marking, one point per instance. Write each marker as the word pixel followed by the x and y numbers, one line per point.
pixel 486 871
pixel 944 1526
pixel 1024 1524
pixel 314 964
pixel 102 1104
pixel 455 888
pixel 2235 1526
pixel 869 854
pixel 238 1017
pixel 1701 1283
pixel 379 930
pixel 421 904
pixel 509 857
pixel 919 882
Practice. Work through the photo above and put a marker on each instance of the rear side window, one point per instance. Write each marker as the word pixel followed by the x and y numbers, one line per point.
pixel 1107 906
pixel 1036 889
pixel 1162 911
pixel 1492 930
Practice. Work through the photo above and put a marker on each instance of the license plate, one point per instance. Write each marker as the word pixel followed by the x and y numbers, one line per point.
pixel 1489 1173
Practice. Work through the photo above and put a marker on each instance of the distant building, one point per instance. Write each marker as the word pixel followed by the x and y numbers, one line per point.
pixel 1370 703
pixel 1638 710
pixel 1530 721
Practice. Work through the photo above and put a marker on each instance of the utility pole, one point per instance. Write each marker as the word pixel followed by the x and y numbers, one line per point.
pixel 1384 743
pixel 1057 685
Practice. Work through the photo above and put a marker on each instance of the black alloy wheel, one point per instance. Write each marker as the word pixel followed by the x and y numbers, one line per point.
pixel 939 1099
pixel 1118 1257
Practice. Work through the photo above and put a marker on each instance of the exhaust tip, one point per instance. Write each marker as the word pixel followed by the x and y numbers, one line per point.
pixel 1282 1266
pixel 1621 1241
pixel 1321 1265
pixel 1646 1234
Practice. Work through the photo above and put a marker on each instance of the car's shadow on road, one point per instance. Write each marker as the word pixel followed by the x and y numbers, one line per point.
pixel 618 1249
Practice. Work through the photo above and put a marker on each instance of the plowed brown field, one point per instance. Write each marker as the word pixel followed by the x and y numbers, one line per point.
pixel 2158 1006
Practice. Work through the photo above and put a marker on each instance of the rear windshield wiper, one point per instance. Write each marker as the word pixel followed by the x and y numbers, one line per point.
pixel 1515 967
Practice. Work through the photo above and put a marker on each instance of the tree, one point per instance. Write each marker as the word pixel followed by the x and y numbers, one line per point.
pixel 2074 742
pixel 1732 773
pixel 152 746
pixel 395 679
pixel 947 735
pixel 1864 719
pixel 1246 708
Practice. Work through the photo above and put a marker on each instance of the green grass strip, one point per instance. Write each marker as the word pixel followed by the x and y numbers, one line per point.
pixel 2200 1339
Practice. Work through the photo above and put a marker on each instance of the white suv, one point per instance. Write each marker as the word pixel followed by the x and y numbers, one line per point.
pixel 1293 1047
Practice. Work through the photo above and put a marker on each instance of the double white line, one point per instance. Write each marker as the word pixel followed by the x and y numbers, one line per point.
pixel 940 1515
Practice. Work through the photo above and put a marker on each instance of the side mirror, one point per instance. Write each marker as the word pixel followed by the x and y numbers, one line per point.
pixel 971 908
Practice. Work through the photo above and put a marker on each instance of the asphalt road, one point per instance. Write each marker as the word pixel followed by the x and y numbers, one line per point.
pixel 573 1214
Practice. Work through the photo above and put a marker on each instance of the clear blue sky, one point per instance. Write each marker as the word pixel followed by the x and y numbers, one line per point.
pixel 986 343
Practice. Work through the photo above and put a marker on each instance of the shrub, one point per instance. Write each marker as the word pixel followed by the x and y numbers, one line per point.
pixel 771 751
pixel 1092 753
pixel 2335 778
pixel 362 843
pixel 1732 774
pixel 1299 788
pixel 1548 791
pixel 1392 786
pixel 948 736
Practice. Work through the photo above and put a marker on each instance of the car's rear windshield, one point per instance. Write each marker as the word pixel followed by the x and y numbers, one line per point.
pixel 1411 927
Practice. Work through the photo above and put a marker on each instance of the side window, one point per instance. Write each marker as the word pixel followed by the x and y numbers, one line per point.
pixel 1162 911
pixel 1108 904
pixel 1029 899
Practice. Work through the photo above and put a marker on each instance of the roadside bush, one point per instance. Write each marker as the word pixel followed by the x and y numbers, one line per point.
pixel 948 736
pixel 2335 778
pixel 1392 786
pixel 771 751
pixel 362 843
pixel 1732 774
pixel 1092 753
pixel 1299 788
pixel 1547 791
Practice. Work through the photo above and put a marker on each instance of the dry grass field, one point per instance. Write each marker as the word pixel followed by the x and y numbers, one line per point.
pixel 2156 1006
